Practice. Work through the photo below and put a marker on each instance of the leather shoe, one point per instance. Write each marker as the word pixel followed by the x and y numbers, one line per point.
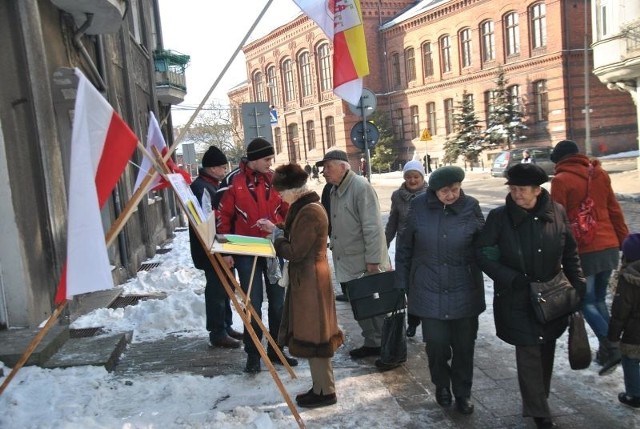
pixel 303 395
pixel 253 363
pixel 364 351
pixel 411 331
pixel 544 423
pixel 342 298
pixel 464 405
pixel 226 342
pixel 443 396
pixel 276 360
pixel 314 400
pixel 235 334
pixel 632 401
pixel 386 366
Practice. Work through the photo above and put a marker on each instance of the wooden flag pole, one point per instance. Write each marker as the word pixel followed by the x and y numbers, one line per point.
pixel 32 345
pixel 135 199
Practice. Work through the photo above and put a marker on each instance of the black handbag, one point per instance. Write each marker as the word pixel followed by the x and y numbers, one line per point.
pixel 373 295
pixel 393 345
pixel 579 348
pixel 554 298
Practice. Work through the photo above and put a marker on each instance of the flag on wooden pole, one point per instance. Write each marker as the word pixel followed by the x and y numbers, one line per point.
pixel 101 146
pixel 341 21
pixel 156 139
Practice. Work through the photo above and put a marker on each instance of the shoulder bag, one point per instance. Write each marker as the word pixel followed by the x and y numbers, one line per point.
pixel 554 298
pixel 582 220
pixel 579 348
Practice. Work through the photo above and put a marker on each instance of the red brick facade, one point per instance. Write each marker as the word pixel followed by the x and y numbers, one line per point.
pixel 539 44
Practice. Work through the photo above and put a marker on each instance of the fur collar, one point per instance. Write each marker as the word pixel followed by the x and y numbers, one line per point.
pixel 296 206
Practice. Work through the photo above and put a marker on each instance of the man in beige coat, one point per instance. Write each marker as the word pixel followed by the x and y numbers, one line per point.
pixel 358 243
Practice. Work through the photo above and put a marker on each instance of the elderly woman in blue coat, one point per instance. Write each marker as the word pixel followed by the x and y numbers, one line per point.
pixel 435 255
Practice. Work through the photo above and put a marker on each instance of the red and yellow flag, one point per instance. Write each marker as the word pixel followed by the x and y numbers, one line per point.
pixel 341 21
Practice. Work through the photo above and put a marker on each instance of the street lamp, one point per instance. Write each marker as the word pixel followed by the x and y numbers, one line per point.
pixel 587 122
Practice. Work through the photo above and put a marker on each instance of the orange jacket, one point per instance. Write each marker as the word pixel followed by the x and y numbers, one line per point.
pixel 569 188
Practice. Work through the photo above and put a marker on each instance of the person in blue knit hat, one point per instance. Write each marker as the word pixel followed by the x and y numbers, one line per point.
pixel 624 325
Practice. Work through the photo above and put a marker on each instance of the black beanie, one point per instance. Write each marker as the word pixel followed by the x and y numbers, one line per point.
pixel 213 157
pixel 562 149
pixel 259 148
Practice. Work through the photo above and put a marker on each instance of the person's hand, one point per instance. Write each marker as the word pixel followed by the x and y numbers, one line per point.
pixel 265 225
pixel 229 261
pixel 373 268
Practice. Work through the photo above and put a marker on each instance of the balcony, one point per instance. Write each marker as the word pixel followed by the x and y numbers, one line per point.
pixel 100 16
pixel 171 83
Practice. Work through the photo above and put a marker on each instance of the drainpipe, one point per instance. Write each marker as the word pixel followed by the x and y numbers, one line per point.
pixel 85 55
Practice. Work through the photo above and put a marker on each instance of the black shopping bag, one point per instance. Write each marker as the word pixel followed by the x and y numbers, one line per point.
pixel 393 347
pixel 373 295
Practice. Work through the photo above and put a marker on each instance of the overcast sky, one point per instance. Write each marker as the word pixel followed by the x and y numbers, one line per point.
pixel 209 31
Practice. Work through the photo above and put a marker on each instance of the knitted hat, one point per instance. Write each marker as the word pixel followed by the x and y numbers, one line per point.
pixel 413 166
pixel 289 176
pixel 631 247
pixel 259 148
pixel 445 176
pixel 333 155
pixel 562 149
pixel 526 175
pixel 213 157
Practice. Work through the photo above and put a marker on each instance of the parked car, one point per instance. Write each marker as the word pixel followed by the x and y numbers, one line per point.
pixel 508 158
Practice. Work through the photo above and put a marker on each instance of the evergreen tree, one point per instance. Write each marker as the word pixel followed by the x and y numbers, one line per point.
pixel 467 138
pixel 382 155
pixel 506 124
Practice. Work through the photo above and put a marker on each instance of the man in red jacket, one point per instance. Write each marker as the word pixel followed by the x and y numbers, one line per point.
pixel 599 255
pixel 244 197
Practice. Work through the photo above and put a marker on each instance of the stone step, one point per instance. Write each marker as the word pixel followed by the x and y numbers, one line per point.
pixel 16 341
pixel 103 350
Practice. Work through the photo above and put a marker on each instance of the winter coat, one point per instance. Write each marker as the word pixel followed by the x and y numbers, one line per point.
pixel 541 240
pixel 435 255
pixel 400 200
pixel 244 197
pixel 309 323
pixel 357 234
pixel 624 325
pixel 202 182
pixel 569 188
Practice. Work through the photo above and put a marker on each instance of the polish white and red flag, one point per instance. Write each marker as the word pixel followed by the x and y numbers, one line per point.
pixel 101 146
pixel 156 139
pixel 341 21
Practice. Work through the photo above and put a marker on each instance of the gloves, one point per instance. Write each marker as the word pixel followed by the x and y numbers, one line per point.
pixel 520 282
pixel 492 253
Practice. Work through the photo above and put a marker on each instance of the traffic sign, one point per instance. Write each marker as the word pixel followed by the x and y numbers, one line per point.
pixel 425 136
pixel 367 104
pixel 357 135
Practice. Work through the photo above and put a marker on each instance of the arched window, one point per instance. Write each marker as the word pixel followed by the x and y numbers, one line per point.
pixel 445 54
pixel 409 64
pixel 415 122
pixel 538 25
pixel 541 100
pixel 305 74
pixel 277 136
pixel 272 86
pixel 330 131
pixel 431 118
pixel 326 81
pixel 258 86
pixel 488 41
pixel 311 135
pixel 287 77
pixel 427 60
pixel 395 70
pixel 512 34
pixel 465 47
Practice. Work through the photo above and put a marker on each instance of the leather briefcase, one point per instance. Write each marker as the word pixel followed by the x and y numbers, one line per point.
pixel 374 295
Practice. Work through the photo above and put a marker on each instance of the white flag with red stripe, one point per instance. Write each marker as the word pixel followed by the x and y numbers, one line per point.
pixel 101 146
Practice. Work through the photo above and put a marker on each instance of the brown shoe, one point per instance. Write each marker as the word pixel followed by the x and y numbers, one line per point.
pixel 235 334
pixel 226 342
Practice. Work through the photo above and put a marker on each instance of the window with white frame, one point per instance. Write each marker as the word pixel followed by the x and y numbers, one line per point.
pixel 538 25
pixel 326 79
pixel 512 34
pixel 448 115
pixel 289 87
pixel 431 118
pixel 488 41
pixel 427 60
pixel 465 47
pixel 410 64
pixel 541 100
pixel 415 122
pixel 445 53
pixel 305 74
pixel 330 130
pixel 258 87
pixel 272 86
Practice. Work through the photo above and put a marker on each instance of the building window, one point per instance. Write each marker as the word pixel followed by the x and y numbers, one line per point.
pixel 326 81
pixel 289 88
pixel 410 64
pixel 488 41
pixel 427 60
pixel 395 70
pixel 330 130
pixel 398 124
pixel 489 104
pixel 311 135
pixel 292 142
pixel 465 47
pixel 431 118
pixel 415 122
pixel 277 136
pixel 272 86
pixel 448 115
pixel 258 86
pixel 514 96
pixel 541 100
pixel 467 98
pixel 445 53
pixel 602 19
pixel 538 26
pixel 512 32
pixel 305 74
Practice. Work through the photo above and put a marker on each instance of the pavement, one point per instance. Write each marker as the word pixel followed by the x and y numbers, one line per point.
pixel 578 398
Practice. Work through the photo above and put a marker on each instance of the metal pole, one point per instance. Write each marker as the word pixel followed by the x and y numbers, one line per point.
pixel 587 122
pixel 367 157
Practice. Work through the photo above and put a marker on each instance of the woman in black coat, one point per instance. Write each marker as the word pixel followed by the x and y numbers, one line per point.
pixel 528 239
pixel 435 256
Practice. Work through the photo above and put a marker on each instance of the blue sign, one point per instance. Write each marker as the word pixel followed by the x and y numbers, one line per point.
pixel 273 113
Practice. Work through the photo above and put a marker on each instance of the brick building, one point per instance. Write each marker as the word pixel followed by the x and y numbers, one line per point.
pixel 423 56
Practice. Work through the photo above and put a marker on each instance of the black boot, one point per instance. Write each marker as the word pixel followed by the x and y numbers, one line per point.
pixel 253 363
pixel 602 354
pixel 276 360
pixel 613 348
